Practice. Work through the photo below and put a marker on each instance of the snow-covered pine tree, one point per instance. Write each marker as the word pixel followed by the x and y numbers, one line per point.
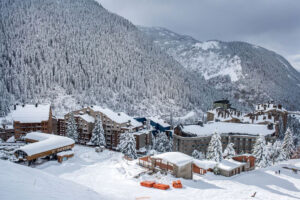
pixel 72 129
pixel 98 138
pixel 127 145
pixel 214 149
pixel 268 154
pixel 281 128
pixel 198 154
pixel 294 124
pixel 229 152
pixel 278 153
pixel 288 144
pixel 162 143
pixel 260 151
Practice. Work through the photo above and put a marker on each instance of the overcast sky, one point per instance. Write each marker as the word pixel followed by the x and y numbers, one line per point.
pixel 273 24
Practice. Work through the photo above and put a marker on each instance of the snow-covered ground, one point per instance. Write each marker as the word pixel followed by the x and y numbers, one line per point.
pixel 111 176
pixel 19 182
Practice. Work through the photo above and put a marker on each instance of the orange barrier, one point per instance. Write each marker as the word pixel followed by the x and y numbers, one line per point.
pixel 161 186
pixel 177 184
pixel 147 184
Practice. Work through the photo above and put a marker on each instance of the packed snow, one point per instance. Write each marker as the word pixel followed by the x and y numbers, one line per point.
pixel 46 142
pixel 110 175
pixel 22 182
pixel 226 127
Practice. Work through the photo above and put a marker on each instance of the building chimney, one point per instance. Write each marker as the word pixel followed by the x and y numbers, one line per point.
pixel 279 106
pixel 36 105
pixel 15 107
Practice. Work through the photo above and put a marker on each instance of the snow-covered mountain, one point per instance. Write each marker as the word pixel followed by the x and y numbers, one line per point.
pixel 75 52
pixel 248 73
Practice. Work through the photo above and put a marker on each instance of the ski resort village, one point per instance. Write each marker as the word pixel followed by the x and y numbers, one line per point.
pixel 149 100
pixel 227 154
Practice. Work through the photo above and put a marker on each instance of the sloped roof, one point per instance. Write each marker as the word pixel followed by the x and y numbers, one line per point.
pixel 177 158
pixel 229 164
pixel 46 142
pixel 118 117
pixel 31 113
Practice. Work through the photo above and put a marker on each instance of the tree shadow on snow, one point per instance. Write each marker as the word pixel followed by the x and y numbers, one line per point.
pixel 264 180
pixel 199 184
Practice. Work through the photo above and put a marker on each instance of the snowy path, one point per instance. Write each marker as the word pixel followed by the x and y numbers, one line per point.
pixel 108 174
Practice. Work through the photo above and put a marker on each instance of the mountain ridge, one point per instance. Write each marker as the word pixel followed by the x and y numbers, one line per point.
pixel 249 73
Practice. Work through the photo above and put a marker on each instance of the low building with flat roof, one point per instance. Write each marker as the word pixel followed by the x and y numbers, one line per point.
pixel 187 138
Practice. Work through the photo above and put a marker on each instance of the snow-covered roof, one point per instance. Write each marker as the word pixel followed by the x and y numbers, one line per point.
pixel 260 119
pixel 226 127
pixel 65 153
pixel 88 118
pixel 229 164
pixel 177 158
pixel 31 113
pixel 269 106
pixel 46 142
pixel 228 114
pixel 118 117
pixel 205 164
pixel 141 132
pixel 160 121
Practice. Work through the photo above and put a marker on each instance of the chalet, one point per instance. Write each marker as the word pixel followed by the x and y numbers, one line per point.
pixel 28 118
pixel 246 158
pixel 230 167
pixel 183 166
pixel 41 145
pixel 187 138
pixel 203 166
pixel 178 164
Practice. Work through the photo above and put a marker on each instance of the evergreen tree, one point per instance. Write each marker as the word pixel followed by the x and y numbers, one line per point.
pixel 278 153
pixel 229 152
pixel 162 143
pixel 261 152
pixel 127 145
pixel 288 144
pixel 98 138
pixel 214 150
pixel 198 154
pixel 72 129
pixel 268 154
pixel 281 128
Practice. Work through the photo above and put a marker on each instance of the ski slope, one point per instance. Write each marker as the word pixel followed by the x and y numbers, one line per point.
pixel 19 182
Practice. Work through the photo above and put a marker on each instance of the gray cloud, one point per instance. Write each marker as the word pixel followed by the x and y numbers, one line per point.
pixel 274 24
